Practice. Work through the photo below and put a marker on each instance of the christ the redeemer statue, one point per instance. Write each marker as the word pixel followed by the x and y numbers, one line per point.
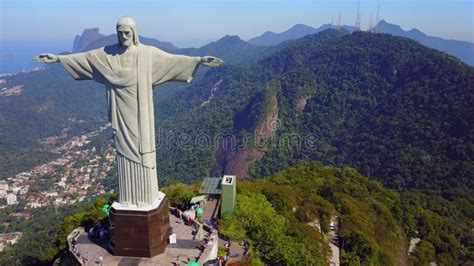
pixel 129 70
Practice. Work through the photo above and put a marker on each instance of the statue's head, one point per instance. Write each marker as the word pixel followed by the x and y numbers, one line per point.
pixel 127 32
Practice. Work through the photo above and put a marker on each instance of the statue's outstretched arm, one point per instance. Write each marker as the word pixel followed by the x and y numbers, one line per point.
pixel 46 58
pixel 211 61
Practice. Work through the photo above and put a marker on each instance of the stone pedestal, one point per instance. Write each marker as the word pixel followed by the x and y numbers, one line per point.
pixel 139 232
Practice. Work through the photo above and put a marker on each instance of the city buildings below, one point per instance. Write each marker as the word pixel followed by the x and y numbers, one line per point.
pixel 77 173
pixel 23 215
pixel 3 186
pixel 9 239
pixel 9 199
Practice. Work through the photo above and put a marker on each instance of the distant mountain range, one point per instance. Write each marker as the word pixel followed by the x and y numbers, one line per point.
pixel 461 49
pixel 230 48
pixel 295 32
pixel 14 60
pixel 93 39
pixel 88 36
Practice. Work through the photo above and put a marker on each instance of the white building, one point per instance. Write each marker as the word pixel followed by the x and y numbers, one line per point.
pixel 3 185
pixel 61 183
pixel 24 190
pixel 34 204
pixel 52 194
pixel 11 199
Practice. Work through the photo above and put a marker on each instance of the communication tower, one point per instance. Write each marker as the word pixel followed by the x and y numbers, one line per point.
pixel 357 24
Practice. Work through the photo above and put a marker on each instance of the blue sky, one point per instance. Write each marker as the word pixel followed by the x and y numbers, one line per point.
pixel 193 22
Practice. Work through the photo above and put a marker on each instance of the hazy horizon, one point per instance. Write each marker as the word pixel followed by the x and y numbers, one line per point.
pixel 52 24
pixel 179 21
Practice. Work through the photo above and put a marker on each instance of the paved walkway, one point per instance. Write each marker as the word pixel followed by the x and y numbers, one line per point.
pixel 210 209
pixel 333 240
pixel 236 251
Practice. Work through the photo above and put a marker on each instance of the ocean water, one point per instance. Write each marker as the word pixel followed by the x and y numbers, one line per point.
pixel 18 56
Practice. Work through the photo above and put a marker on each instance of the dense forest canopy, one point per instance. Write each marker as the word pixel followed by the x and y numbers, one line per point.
pixel 393 109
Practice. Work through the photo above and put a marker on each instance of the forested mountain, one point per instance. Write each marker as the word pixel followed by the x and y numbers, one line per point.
pixel 390 107
pixel 375 223
pixel 387 106
pixel 231 49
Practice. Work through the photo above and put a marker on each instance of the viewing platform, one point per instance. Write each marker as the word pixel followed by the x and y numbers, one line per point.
pixel 86 252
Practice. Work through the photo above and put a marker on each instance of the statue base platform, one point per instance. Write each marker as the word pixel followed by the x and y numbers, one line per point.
pixel 139 232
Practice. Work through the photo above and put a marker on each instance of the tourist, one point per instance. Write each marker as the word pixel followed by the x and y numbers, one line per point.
pixel 86 257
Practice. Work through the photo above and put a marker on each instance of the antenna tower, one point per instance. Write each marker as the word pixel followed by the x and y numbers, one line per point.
pixel 377 20
pixel 357 24
pixel 339 21
pixel 370 29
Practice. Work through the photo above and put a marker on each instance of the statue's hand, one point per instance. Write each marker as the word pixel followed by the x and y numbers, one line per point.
pixel 211 61
pixel 46 58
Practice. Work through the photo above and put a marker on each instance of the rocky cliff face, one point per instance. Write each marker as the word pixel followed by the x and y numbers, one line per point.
pixel 236 154
pixel 82 41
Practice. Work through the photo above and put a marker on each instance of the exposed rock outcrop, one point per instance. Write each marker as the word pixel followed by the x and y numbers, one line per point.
pixel 82 41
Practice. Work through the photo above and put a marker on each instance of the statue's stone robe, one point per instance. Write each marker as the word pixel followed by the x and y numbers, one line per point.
pixel 130 105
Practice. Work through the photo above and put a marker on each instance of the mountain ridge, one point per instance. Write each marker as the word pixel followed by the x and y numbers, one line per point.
pixel 341 63
pixel 112 39
pixel 82 41
pixel 232 49
pixel 295 32
pixel 461 49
